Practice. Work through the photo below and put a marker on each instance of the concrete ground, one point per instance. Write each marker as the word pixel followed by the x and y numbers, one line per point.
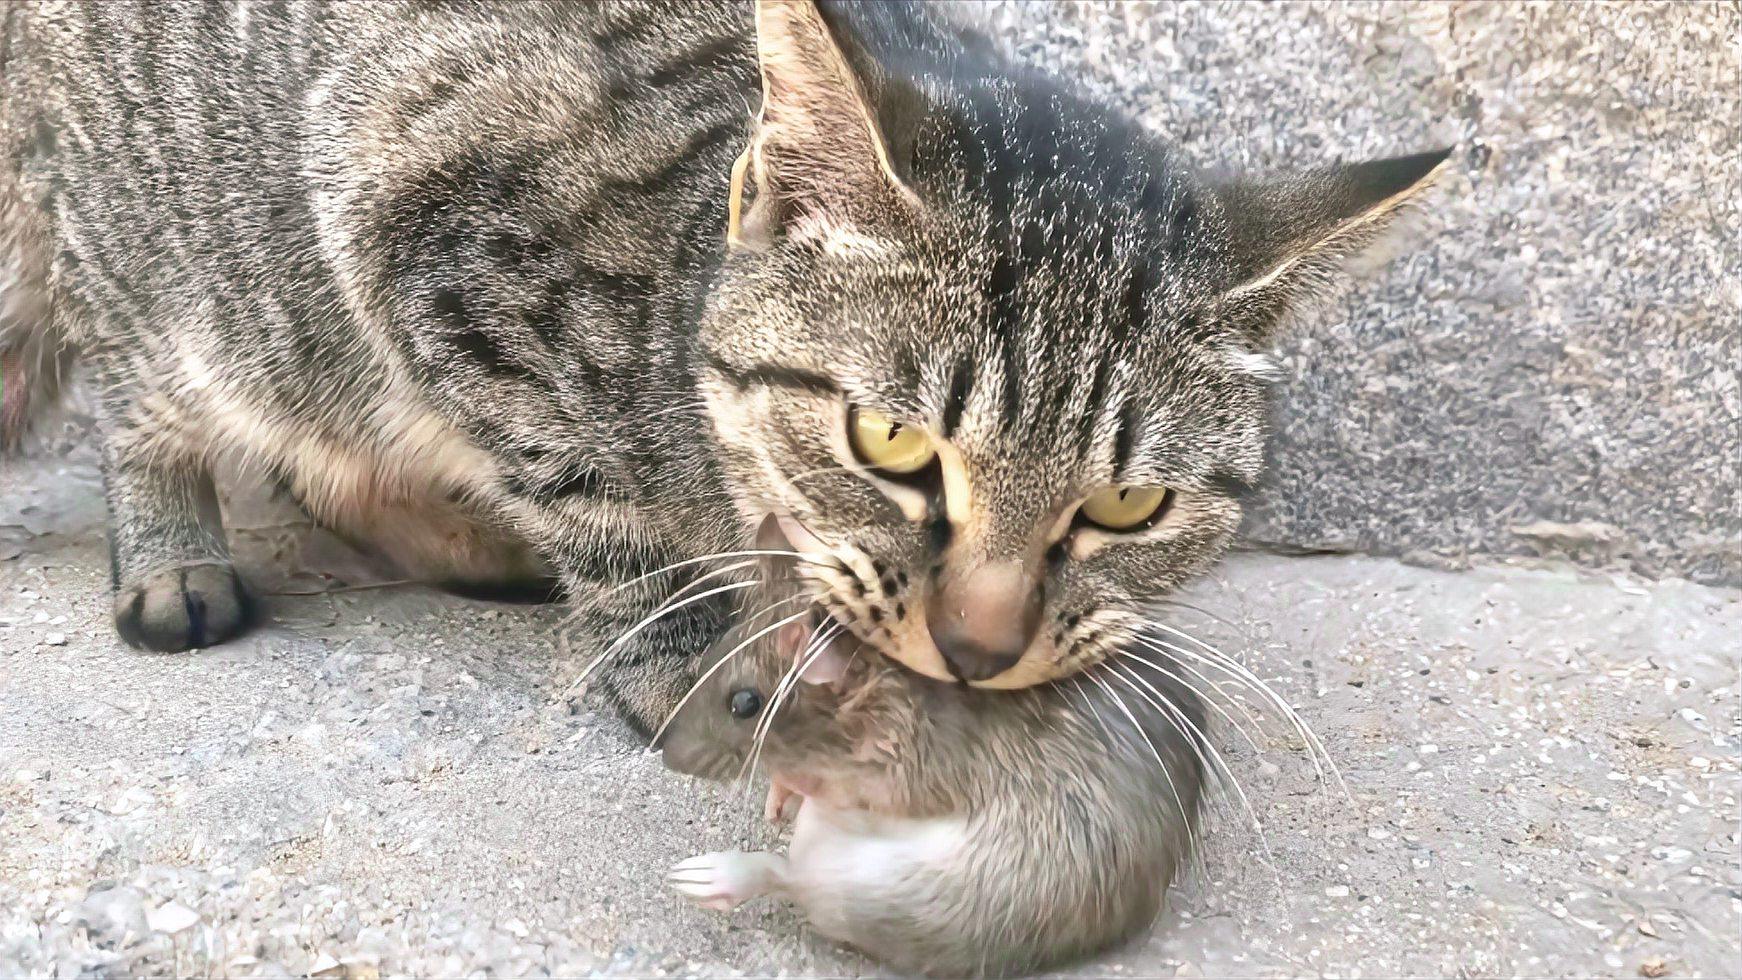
pixel 1541 766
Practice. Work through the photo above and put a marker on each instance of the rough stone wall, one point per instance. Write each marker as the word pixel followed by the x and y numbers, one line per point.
pixel 1551 364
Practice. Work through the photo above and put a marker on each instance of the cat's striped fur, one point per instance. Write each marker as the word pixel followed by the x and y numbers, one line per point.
pixel 458 276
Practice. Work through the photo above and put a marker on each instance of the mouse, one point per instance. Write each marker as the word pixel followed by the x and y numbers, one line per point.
pixel 941 829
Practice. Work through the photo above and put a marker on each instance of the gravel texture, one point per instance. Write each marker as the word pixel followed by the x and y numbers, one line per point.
pixel 1541 763
pixel 1550 366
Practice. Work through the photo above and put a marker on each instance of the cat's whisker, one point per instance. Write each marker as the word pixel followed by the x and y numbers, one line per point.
pixel 727 658
pixel 819 472
pixel 656 615
pixel 1194 837
pixel 1209 699
pixel 1193 851
pixel 1167 774
pixel 1200 610
pixel 1132 631
pixel 697 406
pixel 1254 683
pixel 719 555
pixel 1168 709
pixel 1201 744
pixel 1316 747
pixel 818 645
pixel 802 559
pixel 1202 695
pixel 1089 703
pixel 687 586
pixel 1221 661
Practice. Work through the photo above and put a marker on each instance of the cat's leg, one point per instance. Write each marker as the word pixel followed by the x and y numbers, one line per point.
pixel 436 541
pixel 724 880
pixel 425 536
pixel 175 587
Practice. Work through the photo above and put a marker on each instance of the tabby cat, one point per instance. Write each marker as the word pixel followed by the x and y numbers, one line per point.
pixel 535 295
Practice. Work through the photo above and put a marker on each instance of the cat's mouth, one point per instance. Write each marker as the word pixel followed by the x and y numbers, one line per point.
pixel 893 629
pixel 784 533
pixel 878 608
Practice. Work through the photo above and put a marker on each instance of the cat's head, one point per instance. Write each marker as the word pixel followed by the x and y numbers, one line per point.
pixel 990 353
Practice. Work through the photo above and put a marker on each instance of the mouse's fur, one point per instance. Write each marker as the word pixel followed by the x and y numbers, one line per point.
pixel 945 829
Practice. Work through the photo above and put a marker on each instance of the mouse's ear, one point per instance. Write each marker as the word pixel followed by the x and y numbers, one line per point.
pixel 821 666
pixel 828 664
pixel 769 537
pixel 791 639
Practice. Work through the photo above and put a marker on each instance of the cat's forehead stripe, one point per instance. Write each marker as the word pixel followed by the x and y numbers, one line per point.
pixel 764 374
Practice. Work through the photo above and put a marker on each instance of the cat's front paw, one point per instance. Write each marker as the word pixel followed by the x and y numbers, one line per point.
pixel 183 607
pixel 724 880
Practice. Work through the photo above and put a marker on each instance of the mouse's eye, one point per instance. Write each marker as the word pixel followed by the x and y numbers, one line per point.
pixel 745 703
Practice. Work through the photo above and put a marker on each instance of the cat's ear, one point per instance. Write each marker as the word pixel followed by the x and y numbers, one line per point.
pixel 818 165
pixel 1292 236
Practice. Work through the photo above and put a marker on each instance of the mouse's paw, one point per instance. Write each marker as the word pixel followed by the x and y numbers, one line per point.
pixel 725 880
pixel 782 803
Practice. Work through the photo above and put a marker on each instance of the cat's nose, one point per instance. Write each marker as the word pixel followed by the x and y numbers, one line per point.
pixel 983 621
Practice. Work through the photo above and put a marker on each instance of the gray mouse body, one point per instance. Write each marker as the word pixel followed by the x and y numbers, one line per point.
pixel 940 828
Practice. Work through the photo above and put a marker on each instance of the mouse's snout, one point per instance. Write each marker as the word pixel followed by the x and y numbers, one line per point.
pixel 699 757
pixel 692 744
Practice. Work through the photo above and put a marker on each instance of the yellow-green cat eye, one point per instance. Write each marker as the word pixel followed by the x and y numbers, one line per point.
pixel 889 445
pixel 1125 507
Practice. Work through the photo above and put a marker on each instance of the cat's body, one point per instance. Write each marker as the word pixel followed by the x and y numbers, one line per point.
pixel 459 278
pixel 261 246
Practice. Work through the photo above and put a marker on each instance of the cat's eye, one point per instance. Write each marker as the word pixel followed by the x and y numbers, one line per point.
pixel 745 703
pixel 888 445
pixel 1125 507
